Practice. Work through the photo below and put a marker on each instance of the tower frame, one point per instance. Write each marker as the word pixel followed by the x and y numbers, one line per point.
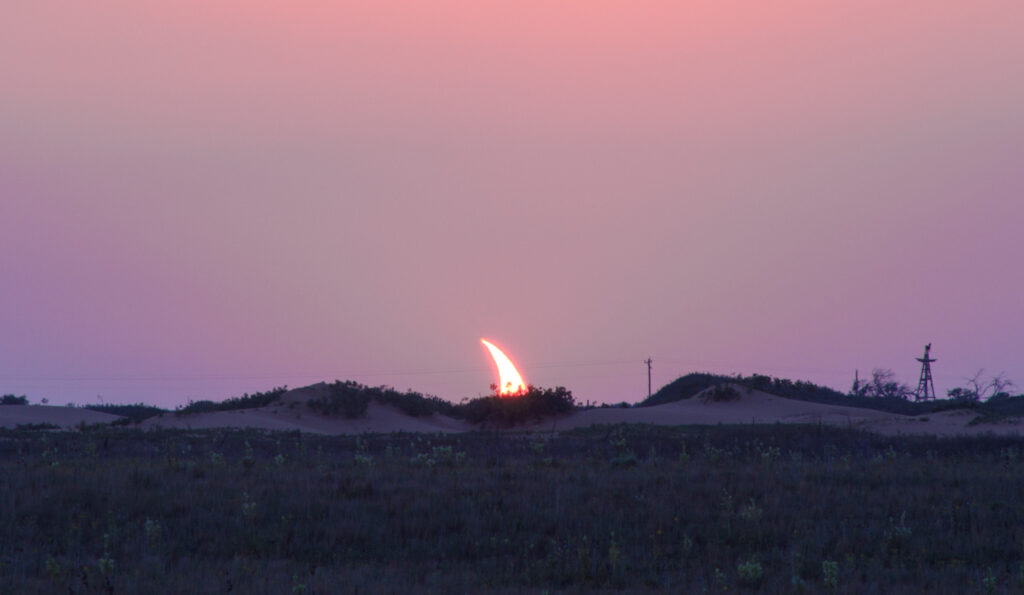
pixel 925 386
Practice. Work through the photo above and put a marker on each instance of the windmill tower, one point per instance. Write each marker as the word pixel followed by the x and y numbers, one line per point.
pixel 925 387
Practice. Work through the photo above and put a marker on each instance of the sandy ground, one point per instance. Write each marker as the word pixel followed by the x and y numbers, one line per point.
pixel 291 413
pixel 378 418
pixel 763 408
pixel 66 417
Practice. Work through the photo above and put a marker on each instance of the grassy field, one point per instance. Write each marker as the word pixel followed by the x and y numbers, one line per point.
pixel 755 508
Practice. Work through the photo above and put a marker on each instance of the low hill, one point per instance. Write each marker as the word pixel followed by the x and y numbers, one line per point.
pixel 696 399
pixel 310 409
pixel 687 386
pixel 12 416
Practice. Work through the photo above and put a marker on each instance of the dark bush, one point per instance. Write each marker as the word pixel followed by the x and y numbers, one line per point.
pixel 135 413
pixel 13 400
pixel 246 401
pixel 533 405
pixel 410 402
pixel 39 426
pixel 720 393
pixel 348 398
pixel 204 406
pixel 684 387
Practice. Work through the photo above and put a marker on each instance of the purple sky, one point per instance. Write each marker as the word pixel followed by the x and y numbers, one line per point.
pixel 199 199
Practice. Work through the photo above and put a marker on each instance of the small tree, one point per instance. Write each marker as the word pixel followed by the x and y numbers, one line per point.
pixel 978 389
pixel 883 384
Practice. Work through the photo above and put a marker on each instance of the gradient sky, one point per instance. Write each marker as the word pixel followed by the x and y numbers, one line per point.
pixel 201 198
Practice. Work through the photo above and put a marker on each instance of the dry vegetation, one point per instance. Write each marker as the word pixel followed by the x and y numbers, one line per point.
pixel 758 508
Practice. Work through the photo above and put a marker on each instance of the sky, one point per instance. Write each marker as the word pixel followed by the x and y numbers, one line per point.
pixel 205 198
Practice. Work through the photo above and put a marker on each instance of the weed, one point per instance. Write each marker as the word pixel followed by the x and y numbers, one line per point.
pixel 750 573
pixel 54 569
pixel 751 512
pixel 830 574
pixel 248 508
pixel 683 457
pixel 153 530
pixel 990 582
pixel 178 519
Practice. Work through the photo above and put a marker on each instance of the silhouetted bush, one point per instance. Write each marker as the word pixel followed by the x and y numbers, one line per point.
pixel 13 400
pixel 533 405
pixel 684 387
pixel 204 406
pixel 136 412
pixel 719 394
pixel 351 399
pixel 348 398
pixel 246 401
pixel 39 426
pixel 410 402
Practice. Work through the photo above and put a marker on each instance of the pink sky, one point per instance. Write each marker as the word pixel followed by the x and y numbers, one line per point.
pixel 199 199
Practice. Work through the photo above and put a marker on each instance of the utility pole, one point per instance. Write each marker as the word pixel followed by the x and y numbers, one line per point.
pixel 648 361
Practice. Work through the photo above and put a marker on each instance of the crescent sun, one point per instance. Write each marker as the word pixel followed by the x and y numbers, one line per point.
pixel 510 382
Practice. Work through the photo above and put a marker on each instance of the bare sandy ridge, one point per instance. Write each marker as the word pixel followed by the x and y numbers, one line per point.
pixel 753 407
pixel 763 408
pixel 378 418
pixel 292 413
pixel 12 416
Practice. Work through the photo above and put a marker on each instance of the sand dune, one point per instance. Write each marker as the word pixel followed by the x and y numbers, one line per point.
pixel 66 417
pixel 763 408
pixel 752 407
pixel 378 418
pixel 292 413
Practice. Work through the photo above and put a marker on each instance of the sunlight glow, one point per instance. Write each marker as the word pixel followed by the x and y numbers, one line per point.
pixel 510 383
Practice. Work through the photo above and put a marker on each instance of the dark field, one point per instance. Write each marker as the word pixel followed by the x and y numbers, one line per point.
pixel 755 508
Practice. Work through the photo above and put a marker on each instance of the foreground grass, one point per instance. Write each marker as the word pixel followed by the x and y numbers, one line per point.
pixel 765 508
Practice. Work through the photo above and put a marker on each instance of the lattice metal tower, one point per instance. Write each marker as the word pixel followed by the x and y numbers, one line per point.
pixel 925 387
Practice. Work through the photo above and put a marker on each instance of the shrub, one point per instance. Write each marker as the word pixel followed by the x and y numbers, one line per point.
pixel 410 402
pixel 39 426
pixel 719 394
pixel 533 405
pixel 348 398
pixel 13 400
pixel 750 573
pixel 684 387
pixel 830 574
pixel 246 401
pixel 135 413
